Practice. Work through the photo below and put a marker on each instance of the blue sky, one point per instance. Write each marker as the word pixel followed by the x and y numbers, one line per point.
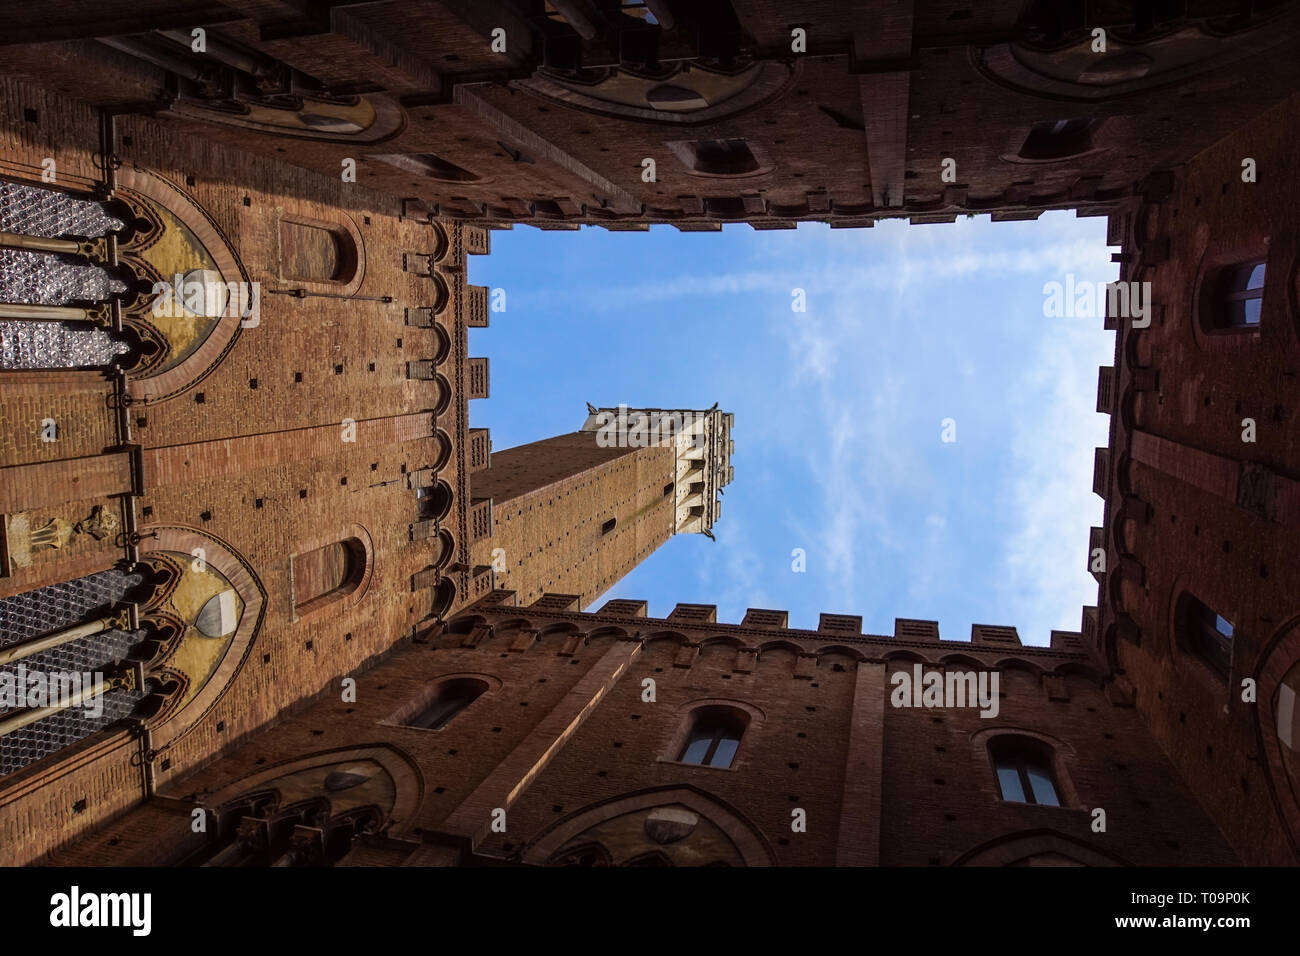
pixel 839 409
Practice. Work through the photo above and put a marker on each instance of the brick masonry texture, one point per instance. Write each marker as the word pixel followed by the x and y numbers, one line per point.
pixel 335 429
pixel 938 804
pixel 550 503
pixel 1205 534
pixel 253 455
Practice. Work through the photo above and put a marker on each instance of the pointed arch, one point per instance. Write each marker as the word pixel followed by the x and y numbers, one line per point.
pixel 1277 679
pixel 203 691
pixel 1037 848
pixel 674 636
pixel 728 639
pixel 842 649
pixel 751 847
pixel 780 645
pixel 1019 664
pixel 407 782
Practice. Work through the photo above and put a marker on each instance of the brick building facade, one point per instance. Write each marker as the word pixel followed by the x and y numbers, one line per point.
pixel 340 629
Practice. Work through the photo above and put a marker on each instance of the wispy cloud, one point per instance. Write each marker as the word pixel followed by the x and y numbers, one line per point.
pixel 1057 427
pixel 827 264
pixel 838 410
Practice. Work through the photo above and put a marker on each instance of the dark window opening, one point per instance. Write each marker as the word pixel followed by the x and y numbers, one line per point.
pixel 589 855
pixel 1234 296
pixel 431 165
pixel 608 526
pixel 721 157
pixel 1207 634
pixel 668 489
pixel 452 697
pixel 1058 139
pixel 714 737
pixel 1024 771
pixel 1050 22
pixel 435 501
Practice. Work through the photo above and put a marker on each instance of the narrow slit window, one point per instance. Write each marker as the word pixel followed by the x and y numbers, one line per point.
pixel 1207 634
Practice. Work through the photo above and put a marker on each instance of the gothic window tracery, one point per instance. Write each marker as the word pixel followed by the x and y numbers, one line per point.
pixel 88 281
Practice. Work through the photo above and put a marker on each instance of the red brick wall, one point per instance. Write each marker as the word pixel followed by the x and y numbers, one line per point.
pixel 562 731
pixel 253 454
pixel 1185 439
pixel 550 501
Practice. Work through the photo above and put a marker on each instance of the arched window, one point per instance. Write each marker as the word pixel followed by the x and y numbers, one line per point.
pixel 316 252
pixel 587 855
pixel 714 736
pixel 327 574
pixel 719 157
pixel 450 699
pixel 49 612
pixel 1232 297
pixel 1024 771
pixel 33 278
pixel 1205 633
pixel 431 165
pixel 653 858
pixel 1058 139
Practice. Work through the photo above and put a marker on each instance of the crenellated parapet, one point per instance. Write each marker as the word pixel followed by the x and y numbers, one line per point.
pixel 763 631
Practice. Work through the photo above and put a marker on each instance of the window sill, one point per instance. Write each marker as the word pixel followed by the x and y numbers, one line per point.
pixel 698 766
pixel 1041 806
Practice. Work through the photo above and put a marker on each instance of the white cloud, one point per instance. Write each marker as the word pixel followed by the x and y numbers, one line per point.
pixel 1045 559
pixel 889 528
pixel 952 252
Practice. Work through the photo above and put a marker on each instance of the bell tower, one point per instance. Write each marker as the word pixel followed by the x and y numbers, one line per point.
pixel 575 513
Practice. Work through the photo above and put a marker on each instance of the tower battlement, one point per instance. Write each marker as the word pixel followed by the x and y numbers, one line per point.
pixel 575 513
pixel 702 446
pixel 690 620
